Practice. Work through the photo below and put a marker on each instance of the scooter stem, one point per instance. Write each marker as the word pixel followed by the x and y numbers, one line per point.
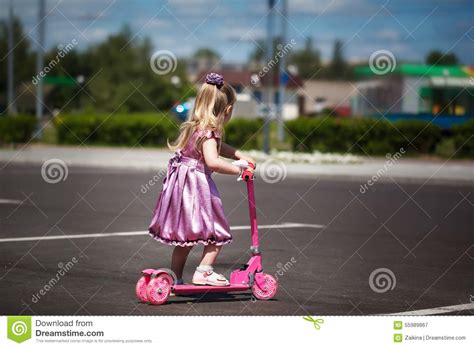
pixel 253 217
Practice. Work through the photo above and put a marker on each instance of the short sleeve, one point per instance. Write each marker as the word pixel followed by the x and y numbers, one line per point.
pixel 209 133
pixel 204 134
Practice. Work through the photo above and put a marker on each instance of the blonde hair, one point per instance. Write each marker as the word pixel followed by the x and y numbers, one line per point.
pixel 207 114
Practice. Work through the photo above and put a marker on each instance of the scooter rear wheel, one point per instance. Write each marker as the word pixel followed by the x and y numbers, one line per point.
pixel 159 289
pixel 268 290
pixel 140 288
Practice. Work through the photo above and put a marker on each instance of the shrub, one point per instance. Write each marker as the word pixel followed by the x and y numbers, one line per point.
pixel 129 130
pixel 144 129
pixel 16 129
pixel 416 136
pixel 244 133
pixel 362 136
pixel 463 137
pixel 445 147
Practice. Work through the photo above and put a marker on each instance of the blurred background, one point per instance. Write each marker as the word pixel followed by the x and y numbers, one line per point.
pixel 377 74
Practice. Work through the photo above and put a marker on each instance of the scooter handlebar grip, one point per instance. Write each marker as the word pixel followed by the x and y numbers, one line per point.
pixel 247 175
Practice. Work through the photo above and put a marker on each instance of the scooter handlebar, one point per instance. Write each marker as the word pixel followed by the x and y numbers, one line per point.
pixel 247 175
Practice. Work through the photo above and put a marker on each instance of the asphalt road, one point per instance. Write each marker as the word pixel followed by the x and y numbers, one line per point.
pixel 421 233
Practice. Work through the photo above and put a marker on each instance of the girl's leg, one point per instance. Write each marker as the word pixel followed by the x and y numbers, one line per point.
pixel 209 254
pixel 204 274
pixel 178 260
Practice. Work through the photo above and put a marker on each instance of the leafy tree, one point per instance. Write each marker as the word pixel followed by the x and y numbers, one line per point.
pixel 438 58
pixel 24 60
pixel 258 55
pixel 307 61
pixel 117 74
pixel 338 68
pixel 122 77
pixel 207 53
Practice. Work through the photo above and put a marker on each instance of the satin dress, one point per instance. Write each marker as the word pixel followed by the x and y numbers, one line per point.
pixel 189 208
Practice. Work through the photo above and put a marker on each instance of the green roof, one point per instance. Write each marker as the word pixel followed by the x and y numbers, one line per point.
pixel 419 70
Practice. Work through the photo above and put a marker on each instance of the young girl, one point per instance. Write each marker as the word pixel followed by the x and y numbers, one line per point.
pixel 189 209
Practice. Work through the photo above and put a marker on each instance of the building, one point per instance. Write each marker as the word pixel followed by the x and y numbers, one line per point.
pixel 328 96
pixel 251 92
pixel 443 95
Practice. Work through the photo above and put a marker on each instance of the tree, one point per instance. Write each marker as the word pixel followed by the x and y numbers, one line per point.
pixel 117 74
pixel 124 79
pixel 338 68
pixel 258 54
pixel 438 58
pixel 307 61
pixel 207 53
pixel 24 67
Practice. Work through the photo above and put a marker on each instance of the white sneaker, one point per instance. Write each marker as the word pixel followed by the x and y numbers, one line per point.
pixel 209 278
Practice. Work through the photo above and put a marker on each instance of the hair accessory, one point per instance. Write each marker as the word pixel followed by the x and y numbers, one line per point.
pixel 215 79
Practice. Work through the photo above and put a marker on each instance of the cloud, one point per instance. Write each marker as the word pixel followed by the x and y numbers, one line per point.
pixel 97 34
pixel 243 34
pixel 317 7
pixel 222 24
pixel 388 34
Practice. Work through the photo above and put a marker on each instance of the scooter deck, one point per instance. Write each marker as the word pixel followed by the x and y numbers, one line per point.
pixel 193 289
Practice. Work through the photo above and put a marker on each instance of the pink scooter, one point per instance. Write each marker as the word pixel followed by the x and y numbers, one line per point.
pixel 156 285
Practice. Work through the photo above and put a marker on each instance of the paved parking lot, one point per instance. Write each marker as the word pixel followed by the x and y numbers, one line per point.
pixel 323 240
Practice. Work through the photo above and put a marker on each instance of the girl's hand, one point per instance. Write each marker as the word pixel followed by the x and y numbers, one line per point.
pixel 246 169
pixel 249 171
pixel 251 160
pixel 247 174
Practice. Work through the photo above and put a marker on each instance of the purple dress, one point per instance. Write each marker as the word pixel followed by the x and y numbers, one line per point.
pixel 189 209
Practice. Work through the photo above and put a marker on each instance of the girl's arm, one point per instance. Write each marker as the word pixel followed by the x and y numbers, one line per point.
pixel 216 164
pixel 228 151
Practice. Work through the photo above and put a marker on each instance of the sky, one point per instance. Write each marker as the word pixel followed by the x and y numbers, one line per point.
pixel 407 28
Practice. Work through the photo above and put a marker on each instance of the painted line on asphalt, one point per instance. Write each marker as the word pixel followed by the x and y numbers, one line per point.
pixel 10 201
pixel 134 233
pixel 439 310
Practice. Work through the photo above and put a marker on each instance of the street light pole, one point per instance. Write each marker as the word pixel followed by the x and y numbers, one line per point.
pixel 11 107
pixel 281 73
pixel 269 79
pixel 40 64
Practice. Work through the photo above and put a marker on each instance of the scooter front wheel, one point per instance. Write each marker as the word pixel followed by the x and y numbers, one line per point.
pixel 140 288
pixel 159 289
pixel 268 290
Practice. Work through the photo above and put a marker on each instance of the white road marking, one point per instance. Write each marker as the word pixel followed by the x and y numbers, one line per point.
pixel 134 233
pixel 439 310
pixel 10 201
